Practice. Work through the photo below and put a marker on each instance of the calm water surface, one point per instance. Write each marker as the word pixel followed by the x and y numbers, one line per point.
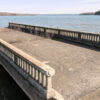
pixel 87 23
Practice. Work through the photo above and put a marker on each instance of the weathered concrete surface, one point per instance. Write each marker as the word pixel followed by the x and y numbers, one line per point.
pixel 77 68
pixel 17 74
pixel 95 95
pixel 21 78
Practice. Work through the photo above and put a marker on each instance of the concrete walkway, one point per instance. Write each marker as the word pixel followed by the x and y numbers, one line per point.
pixel 77 68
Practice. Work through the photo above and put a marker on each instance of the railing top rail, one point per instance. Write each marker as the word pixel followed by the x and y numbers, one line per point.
pixel 48 70
pixel 56 29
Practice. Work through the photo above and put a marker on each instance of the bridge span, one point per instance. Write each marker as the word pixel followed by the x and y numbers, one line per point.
pixel 64 70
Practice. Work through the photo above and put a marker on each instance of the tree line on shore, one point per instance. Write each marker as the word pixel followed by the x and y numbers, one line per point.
pixel 97 13
pixel 91 13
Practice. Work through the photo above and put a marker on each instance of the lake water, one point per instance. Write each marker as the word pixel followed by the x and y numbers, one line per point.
pixel 87 23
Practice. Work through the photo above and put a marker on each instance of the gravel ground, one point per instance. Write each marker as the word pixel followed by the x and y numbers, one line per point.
pixel 77 68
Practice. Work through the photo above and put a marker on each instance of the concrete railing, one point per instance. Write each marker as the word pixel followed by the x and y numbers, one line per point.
pixel 41 74
pixel 81 37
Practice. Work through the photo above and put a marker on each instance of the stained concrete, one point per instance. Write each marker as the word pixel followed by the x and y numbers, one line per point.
pixel 77 68
pixel 21 78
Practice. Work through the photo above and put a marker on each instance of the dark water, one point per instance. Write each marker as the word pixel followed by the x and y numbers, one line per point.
pixel 9 90
pixel 87 23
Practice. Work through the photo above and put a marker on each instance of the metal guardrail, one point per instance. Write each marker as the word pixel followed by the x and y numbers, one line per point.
pixel 42 74
pixel 81 37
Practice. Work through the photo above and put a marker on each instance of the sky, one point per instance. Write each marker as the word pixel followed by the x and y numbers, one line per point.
pixel 49 6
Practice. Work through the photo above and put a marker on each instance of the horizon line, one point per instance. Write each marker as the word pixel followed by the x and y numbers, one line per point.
pixel 44 13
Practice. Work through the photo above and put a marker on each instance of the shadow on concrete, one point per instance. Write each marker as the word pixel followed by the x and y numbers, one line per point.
pixel 77 44
pixel 9 90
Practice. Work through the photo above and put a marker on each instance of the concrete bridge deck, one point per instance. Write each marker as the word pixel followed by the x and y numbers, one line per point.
pixel 77 68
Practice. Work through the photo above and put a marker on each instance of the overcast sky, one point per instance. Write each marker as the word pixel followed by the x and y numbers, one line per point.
pixel 49 6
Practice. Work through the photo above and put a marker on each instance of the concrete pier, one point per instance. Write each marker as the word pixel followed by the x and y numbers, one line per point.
pixel 77 68
pixel 29 73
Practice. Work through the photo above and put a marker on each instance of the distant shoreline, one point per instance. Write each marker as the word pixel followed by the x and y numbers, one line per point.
pixel 91 13
pixel 22 14
pixel 15 14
